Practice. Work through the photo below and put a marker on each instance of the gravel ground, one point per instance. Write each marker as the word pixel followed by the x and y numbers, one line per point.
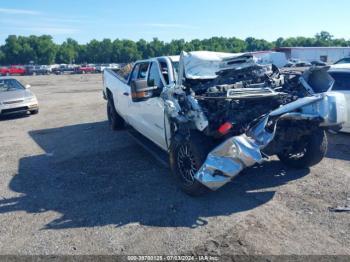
pixel 70 185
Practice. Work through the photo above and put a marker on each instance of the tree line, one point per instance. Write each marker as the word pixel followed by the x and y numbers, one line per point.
pixel 43 50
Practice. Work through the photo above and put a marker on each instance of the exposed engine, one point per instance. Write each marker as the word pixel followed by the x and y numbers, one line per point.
pixel 239 96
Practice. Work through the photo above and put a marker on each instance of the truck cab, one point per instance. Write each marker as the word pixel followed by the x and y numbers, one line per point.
pixel 137 96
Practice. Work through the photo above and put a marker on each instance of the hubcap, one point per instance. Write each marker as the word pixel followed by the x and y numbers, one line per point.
pixel 297 155
pixel 186 164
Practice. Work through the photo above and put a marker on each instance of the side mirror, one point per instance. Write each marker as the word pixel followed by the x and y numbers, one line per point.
pixel 150 82
pixel 140 90
pixel 27 86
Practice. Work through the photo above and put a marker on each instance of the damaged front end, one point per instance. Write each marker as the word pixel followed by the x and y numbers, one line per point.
pixel 242 107
pixel 229 158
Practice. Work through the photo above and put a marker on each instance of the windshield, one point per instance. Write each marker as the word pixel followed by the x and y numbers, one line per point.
pixel 342 81
pixel 343 61
pixel 10 85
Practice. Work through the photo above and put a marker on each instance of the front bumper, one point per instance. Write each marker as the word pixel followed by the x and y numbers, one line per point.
pixel 18 108
pixel 229 158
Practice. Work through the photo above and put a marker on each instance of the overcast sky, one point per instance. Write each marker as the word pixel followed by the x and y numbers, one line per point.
pixel 84 20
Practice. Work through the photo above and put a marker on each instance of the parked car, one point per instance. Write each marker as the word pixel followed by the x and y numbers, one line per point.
pixel 13 70
pixel 64 69
pixel 345 60
pixel 101 67
pixel 318 63
pixel 38 70
pixel 223 113
pixel 297 63
pixel 16 98
pixel 3 71
pixel 342 85
pixel 83 69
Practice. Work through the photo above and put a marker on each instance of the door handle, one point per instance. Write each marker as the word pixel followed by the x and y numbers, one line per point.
pixel 126 93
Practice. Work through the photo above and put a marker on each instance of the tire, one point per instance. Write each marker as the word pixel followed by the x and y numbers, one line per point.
pixel 114 119
pixel 185 158
pixel 34 112
pixel 311 154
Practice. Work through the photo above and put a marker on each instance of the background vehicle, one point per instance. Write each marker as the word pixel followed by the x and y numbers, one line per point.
pixel 16 98
pixel 64 69
pixel 101 67
pixel 83 69
pixel 13 70
pixel 220 115
pixel 297 63
pixel 342 85
pixel 318 63
pixel 345 60
pixel 38 70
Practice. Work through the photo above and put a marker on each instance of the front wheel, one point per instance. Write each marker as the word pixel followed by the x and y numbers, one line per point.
pixel 186 157
pixel 308 153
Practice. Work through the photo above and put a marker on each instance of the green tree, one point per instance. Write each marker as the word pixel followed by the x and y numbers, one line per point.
pixel 42 50
pixel 12 50
pixel 2 57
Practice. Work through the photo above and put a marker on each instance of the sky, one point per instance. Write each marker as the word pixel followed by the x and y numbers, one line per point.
pixel 84 20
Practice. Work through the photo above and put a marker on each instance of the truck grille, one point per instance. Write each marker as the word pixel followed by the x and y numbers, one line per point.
pixel 250 93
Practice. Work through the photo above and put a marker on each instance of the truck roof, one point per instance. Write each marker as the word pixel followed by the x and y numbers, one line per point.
pixel 175 58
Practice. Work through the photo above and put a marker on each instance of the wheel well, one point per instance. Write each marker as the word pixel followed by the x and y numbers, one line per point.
pixel 109 94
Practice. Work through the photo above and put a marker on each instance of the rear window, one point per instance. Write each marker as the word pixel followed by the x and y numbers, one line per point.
pixel 342 81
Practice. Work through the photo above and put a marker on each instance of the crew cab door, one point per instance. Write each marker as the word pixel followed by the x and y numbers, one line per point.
pixel 149 107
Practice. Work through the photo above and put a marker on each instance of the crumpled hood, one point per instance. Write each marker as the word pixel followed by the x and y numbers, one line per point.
pixel 202 64
pixel 15 95
pixel 206 64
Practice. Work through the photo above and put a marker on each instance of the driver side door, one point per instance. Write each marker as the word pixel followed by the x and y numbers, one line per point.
pixel 151 110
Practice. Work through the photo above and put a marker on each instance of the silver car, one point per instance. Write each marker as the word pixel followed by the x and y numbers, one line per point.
pixel 342 85
pixel 16 98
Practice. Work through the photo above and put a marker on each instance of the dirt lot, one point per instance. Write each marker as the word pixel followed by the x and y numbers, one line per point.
pixel 70 185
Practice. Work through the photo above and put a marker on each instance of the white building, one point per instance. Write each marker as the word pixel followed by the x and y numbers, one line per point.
pixel 324 54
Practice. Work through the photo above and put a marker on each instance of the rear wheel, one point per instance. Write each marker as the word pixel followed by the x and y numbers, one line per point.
pixel 186 157
pixel 114 119
pixel 308 153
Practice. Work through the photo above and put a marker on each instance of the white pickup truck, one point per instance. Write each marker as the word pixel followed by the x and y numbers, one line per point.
pixel 218 113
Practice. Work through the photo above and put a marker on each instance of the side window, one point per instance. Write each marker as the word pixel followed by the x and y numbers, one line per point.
pixel 165 71
pixel 139 72
pixel 342 81
pixel 142 71
pixel 135 72
pixel 154 78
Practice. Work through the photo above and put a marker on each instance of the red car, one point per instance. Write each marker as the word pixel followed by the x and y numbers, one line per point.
pixel 86 69
pixel 13 70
